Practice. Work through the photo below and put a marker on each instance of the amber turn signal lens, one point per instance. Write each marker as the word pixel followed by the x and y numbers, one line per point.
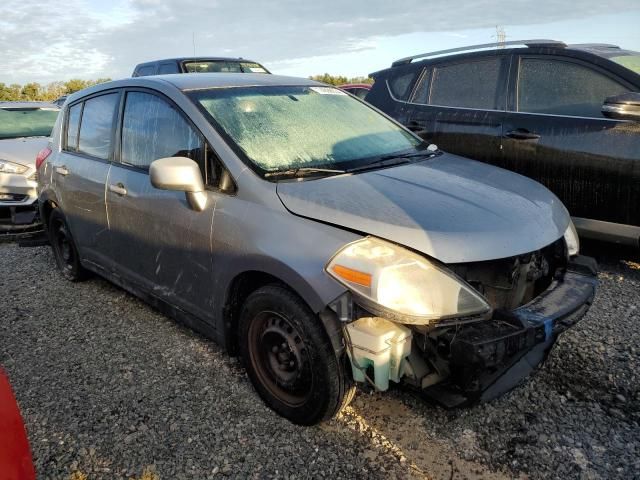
pixel 353 276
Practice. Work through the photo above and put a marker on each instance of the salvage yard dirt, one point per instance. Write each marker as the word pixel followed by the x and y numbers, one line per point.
pixel 110 388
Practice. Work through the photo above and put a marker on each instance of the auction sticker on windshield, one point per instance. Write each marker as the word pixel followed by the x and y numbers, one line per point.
pixel 327 91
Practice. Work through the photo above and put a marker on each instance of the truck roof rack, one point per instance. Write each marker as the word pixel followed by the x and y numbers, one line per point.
pixel 528 43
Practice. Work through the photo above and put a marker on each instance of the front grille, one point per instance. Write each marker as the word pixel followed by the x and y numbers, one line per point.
pixel 508 283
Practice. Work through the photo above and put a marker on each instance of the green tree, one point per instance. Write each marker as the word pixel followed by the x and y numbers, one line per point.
pixel 30 91
pixel 339 79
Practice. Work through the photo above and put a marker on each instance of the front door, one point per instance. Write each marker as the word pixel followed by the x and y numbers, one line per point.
pixel 556 134
pixel 157 241
pixel 460 105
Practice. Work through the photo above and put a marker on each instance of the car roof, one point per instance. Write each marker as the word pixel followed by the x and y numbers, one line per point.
pixel 200 81
pixel 23 105
pixel 200 59
pixel 602 49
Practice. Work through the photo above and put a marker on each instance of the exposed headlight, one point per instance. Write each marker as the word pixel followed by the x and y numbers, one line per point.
pixel 9 167
pixel 572 240
pixel 403 282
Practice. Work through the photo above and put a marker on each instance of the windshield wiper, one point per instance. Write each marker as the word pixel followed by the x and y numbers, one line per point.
pixel 394 159
pixel 300 172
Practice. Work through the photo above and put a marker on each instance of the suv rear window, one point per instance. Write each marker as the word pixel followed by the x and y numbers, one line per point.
pixel 473 84
pixel 96 127
pixel 563 88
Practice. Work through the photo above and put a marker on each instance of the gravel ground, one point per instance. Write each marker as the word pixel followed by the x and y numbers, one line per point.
pixel 110 388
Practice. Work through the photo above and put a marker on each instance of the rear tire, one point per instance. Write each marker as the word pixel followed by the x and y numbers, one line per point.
pixel 290 359
pixel 64 248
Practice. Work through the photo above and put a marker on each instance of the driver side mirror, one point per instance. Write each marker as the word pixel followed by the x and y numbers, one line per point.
pixel 625 106
pixel 180 174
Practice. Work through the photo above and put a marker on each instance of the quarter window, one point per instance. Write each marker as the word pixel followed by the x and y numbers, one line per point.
pixel 153 129
pixel 563 88
pixel 96 128
pixel 474 84
pixel 72 127
pixel 400 85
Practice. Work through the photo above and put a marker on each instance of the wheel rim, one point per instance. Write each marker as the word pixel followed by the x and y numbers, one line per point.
pixel 280 358
pixel 63 246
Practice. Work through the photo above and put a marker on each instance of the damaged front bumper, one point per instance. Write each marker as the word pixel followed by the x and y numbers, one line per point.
pixel 458 364
pixel 489 358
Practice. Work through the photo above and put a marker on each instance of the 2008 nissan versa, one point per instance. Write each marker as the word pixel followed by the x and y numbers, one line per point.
pixel 313 235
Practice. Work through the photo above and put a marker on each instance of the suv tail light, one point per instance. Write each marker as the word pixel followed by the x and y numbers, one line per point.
pixel 42 156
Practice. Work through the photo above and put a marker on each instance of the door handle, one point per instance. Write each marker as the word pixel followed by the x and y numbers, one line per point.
pixel 62 170
pixel 522 134
pixel 118 189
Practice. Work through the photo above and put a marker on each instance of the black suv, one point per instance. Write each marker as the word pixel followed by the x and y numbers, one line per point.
pixel 565 115
pixel 198 65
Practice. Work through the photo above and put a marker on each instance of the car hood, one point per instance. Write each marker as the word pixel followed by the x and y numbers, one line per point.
pixel 450 208
pixel 22 150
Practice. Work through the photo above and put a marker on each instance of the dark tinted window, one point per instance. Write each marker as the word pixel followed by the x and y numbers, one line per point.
pixel 421 94
pixel 97 125
pixel 72 127
pixel 153 129
pixel 563 88
pixel 400 84
pixel 474 84
pixel 166 68
pixel 144 71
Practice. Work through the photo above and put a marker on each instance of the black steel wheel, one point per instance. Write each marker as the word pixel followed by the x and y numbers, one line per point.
pixel 64 248
pixel 289 357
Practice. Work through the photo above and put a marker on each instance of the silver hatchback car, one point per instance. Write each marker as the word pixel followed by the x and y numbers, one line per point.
pixel 313 235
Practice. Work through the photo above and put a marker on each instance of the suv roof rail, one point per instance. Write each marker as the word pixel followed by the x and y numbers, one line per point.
pixel 594 45
pixel 528 43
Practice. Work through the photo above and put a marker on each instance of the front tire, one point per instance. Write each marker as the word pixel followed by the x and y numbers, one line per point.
pixel 290 359
pixel 64 248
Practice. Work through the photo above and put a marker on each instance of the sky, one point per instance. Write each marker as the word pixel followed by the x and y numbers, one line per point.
pixel 44 41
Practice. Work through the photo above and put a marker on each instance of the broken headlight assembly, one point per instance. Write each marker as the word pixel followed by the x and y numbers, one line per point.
pixel 571 239
pixel 393 282
pixel 10 167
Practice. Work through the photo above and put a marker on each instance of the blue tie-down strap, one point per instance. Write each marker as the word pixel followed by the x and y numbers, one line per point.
pixel 561 305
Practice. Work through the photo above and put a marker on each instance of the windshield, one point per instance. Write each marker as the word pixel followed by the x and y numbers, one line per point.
pixel 216 66
pixel 26 122
pixel 632 62
pixel 280 128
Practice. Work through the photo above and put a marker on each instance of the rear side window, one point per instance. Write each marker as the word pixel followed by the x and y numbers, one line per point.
pixel 474 84
pixel 153 129
pixel 400 84
pixel 72 127
pixel 96 127
pixel 144 71
pixel 563 88
pixel 166 68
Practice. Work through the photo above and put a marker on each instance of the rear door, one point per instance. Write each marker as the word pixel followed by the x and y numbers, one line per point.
pixel 556 134
pixel 156 240
pixel 80 171
pixel 459 105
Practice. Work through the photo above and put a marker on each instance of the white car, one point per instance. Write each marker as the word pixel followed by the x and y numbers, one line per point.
pixel 24 132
